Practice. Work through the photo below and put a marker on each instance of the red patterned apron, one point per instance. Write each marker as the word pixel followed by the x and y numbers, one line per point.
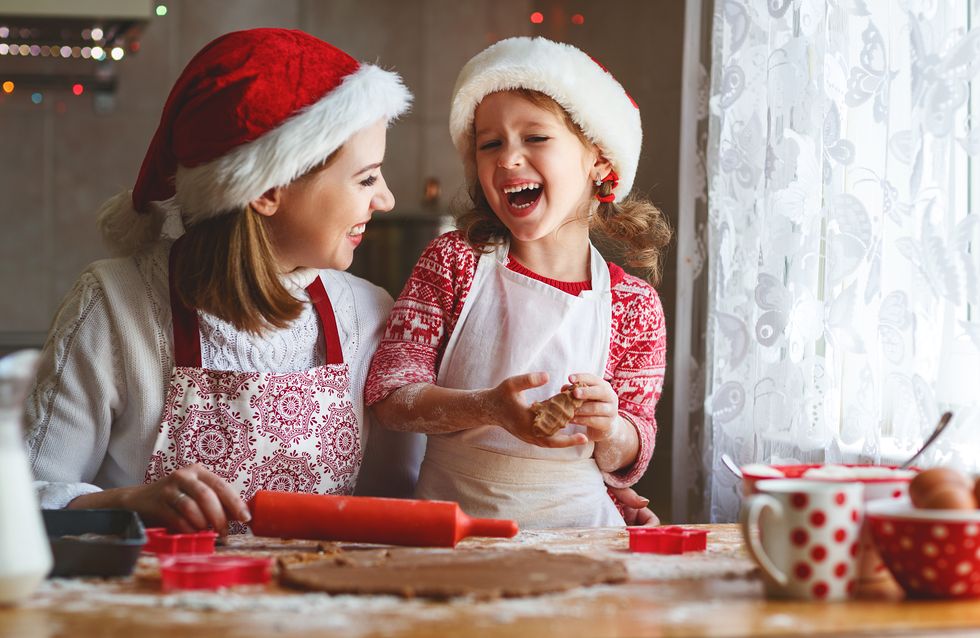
pixel 290 432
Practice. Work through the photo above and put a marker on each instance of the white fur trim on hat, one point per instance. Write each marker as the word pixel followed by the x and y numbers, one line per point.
pixel 292 148
pixel 591 95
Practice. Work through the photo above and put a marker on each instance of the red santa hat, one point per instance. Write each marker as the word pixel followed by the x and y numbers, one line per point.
pixel 251 111
pixel 585 89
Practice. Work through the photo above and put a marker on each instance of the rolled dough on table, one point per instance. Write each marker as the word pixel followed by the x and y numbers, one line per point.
pixel 479 574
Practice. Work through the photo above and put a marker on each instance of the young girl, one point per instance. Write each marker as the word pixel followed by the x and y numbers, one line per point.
pixel 183 377
pixel 518 303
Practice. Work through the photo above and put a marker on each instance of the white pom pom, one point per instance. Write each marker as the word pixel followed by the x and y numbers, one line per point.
pixel 125 231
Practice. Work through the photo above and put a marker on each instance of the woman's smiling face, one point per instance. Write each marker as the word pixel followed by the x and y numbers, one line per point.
pixel 319 219
pixel 535 172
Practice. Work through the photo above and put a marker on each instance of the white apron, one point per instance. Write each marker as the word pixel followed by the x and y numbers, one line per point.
pixel 289 432
pixel 511 324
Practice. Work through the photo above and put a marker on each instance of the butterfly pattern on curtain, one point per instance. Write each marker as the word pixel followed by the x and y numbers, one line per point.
pixel 842 277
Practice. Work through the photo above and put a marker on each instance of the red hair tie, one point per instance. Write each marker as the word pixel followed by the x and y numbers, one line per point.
pixel 611 197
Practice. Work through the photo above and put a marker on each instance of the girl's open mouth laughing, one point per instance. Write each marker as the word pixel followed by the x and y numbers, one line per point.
pixel 522 198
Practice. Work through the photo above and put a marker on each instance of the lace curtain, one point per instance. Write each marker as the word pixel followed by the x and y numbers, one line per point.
pixel 835 241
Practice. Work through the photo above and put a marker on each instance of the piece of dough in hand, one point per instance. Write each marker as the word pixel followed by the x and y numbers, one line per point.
pixel 553 414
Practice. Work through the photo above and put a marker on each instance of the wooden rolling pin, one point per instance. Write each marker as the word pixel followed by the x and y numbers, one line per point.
pixel 362 519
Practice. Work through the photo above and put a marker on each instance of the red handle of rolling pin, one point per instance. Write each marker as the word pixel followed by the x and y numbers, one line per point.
pixel 363 519
pixel 494 527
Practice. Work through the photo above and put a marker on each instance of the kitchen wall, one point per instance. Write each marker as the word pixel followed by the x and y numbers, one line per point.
pixel 60 159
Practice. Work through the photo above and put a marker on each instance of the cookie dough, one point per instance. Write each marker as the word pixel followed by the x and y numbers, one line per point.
pixel 441 575
pixel 553 414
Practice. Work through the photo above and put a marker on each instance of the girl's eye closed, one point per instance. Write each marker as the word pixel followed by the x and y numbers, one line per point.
pixel 538 138
pixel 488 145
pixel 370 181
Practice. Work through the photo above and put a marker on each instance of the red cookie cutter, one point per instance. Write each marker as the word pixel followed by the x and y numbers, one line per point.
pixel 159 541
pixel 213 571
pixel 667 540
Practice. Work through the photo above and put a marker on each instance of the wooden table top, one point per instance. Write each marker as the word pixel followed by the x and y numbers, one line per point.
pixel 715 593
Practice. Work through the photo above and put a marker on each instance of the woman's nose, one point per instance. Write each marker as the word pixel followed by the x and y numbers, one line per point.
pixel 384 200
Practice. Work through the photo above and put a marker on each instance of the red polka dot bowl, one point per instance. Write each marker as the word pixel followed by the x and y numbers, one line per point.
pixel 931 553
pixel 880 481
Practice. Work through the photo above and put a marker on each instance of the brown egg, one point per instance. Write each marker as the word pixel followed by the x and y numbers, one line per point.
pixel 949 497
pixel 976 490
pixel 928 481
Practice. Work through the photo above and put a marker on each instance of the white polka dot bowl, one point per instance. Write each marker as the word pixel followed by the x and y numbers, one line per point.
pixel 931 553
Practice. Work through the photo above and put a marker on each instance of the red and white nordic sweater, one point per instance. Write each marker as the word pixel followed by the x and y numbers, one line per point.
pixel 426 312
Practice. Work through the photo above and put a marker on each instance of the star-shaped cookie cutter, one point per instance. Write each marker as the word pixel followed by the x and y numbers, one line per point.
pixel 670 539
pixel 160 542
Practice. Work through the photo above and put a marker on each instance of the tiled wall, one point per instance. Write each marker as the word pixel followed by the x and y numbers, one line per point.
pixel 57 164
pixel 60 162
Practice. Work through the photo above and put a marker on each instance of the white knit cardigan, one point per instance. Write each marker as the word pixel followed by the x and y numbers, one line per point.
pixel 95 409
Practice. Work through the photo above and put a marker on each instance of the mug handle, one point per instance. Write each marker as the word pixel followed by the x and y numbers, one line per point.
pixel 754 506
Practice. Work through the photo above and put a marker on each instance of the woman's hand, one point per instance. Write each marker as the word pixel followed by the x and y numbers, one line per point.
pixel 508 409
pixel 189 499
pixel 635 510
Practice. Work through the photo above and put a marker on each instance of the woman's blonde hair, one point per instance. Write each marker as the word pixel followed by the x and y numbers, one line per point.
pixel 227 267
pixel 635 229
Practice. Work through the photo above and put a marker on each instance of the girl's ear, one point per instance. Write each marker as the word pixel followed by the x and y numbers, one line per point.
pixel 601 167
pixel 268 203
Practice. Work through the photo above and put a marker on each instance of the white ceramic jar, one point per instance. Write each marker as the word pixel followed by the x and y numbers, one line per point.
pixel 25 556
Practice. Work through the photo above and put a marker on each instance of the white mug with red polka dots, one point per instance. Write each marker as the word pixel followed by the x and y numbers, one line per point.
pixel 808 537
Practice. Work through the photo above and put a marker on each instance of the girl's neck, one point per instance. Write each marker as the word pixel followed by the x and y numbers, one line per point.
pixel 563 256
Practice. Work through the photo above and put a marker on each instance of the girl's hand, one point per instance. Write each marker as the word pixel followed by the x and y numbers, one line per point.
pixel 508 409
pixel 635 510
pixel 190 499
pixel 600 412
pixel 617 441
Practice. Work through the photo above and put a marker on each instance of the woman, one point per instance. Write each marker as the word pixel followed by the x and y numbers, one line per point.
pixel 182 377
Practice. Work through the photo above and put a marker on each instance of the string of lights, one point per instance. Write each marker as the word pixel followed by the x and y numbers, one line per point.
pixel 100 43
pixel 42 54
